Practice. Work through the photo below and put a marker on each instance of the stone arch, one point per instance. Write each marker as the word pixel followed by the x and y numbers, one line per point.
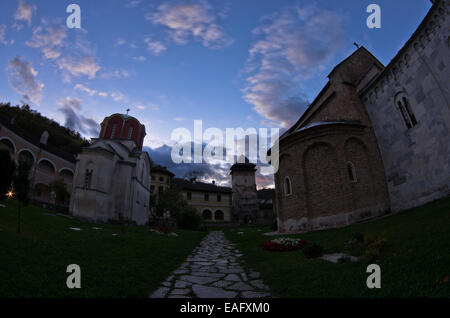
pixel 66 173
pixel 9 144
pixel 26 154
pixel 219 215
pixel 357 153
pixel 207 215
pixel 47 165
pixel 322 179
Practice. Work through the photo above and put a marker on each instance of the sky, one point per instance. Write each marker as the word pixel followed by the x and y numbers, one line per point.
pixel 229 63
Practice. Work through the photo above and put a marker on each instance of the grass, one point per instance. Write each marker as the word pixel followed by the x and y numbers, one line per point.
pixel 133 264
pixel 415 264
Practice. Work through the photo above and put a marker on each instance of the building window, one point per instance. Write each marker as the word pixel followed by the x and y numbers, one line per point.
pixel 218 215
pixel 351 172
pixel 206 196
pixel 189 196
pixel 287 186
pixel 161 179
pixel 152 189
pixel 207 215
pixel 153 178
pixel 219 197
pixel 113 133
pixel 88 178
pixel 130 132
pixel 160 190
pixel 406 111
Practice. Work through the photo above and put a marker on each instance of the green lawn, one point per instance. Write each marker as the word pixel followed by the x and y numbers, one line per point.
pixel 414 265
pixel 33 264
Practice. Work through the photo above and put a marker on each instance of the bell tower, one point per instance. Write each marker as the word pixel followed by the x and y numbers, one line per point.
pixel 244 197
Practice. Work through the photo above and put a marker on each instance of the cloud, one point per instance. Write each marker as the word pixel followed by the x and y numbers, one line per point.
pixel 70 108
pixel 120 42
pixel 133 4
pixel 22 78
pixel 117 96
pixel 115 74
pixel 290 47
pixel 140 58
pixel 78 67
pixel 24 13
pixel 202 171
pixel 196 21
pixel 49 39
pixel 179 119
pixel 2 34
pixel 90 92
pixel 220 172
pixel 155 47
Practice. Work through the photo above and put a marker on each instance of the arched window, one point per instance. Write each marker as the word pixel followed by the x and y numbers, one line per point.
pixel 46 165
pixel 207 215
pixel 351 172
pixel 6 143
pixel 287 186
pixel 66 174
pixel 405 110
pixel 26 156
pixel 218 215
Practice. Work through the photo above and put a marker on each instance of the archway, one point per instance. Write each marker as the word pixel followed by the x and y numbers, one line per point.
pixel 219 215
pixel 207 215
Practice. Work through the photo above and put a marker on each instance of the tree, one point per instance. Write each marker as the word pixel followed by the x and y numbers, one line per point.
pixel 60 189
pixel 22 186
pixel 170 200
pixel 7 168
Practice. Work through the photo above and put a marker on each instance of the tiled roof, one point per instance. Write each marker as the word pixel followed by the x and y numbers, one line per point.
pixel 199 186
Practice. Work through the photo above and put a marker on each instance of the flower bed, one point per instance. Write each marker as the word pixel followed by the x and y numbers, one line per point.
pixel 163 230
pixel 283 244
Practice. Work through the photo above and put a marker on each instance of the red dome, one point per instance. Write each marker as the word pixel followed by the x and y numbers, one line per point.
pixel 123 127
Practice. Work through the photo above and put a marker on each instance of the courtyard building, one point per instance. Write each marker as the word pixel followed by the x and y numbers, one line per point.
pixel 211 201
pixel 49 163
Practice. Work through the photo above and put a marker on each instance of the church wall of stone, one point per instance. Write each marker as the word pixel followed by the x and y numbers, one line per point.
pixel 322 195
pixel 416 160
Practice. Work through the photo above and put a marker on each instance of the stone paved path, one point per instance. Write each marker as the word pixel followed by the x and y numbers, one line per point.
pixel 213 270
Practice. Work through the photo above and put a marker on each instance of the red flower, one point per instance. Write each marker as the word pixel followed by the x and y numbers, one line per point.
pixel 163 229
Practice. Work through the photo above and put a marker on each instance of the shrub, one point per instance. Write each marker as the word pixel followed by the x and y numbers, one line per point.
pixel 313 251
pixel 374 248
pixel 358 237
pixel 188 219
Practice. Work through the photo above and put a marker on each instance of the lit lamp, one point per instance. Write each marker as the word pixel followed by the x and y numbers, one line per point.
pixel 10 194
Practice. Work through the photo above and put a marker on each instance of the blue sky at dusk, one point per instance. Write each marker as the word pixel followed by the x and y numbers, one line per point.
pixel 247 63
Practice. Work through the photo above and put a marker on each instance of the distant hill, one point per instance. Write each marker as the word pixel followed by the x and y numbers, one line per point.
pixel 35 124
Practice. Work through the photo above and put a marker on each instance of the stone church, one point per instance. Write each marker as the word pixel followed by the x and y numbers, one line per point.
pixel 112 175
pixel 376 138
